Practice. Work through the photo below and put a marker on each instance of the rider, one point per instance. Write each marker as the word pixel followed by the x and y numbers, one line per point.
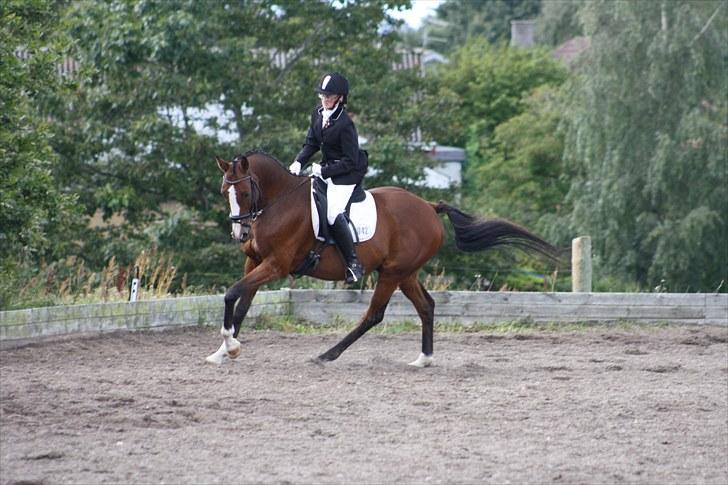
pixel 343 164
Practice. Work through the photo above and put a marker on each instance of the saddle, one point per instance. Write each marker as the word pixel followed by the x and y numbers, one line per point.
pixel 361 213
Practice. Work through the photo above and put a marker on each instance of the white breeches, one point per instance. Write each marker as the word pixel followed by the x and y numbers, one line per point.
pixel 337 196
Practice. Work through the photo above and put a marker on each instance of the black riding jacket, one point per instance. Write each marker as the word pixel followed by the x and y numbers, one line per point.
pixel 342 160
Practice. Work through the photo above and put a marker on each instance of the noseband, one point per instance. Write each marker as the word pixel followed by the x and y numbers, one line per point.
pixel 255 193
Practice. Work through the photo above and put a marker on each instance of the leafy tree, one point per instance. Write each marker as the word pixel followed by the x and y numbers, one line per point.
pixel 131 136
pixel 522 176
pixel 460 21
pixel 558 21
pixel 513 168
pixel 37 220
pixel 647 142
pixel 484 85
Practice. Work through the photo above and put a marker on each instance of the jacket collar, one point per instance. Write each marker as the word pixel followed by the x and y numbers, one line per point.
pixel 335 115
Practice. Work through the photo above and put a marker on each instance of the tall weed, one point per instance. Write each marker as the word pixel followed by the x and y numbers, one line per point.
pixel 70 281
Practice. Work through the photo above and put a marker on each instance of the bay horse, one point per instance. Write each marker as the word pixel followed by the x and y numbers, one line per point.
pixel 271 217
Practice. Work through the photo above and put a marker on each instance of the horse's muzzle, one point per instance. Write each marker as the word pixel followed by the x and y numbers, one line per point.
pixel 240 232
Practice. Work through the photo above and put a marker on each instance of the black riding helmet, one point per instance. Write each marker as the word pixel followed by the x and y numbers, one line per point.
pixel 334 83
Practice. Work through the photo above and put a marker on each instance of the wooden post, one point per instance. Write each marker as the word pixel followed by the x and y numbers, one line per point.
pixel 134 288
pixel 581 266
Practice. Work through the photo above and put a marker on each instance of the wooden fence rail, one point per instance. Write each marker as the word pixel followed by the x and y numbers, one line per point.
pixel 321 307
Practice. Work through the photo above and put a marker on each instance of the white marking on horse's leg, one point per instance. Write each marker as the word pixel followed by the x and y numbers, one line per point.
pixel 219 356
pixel 232 346
pixel 423 361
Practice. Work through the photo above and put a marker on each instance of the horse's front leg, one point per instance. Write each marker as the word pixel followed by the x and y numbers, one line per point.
pixel 241 310
pixel 230 347
pixel 238 293
pixel 241 292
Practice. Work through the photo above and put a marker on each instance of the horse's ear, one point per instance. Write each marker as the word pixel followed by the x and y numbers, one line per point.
pixel 224 166
pixel 244 164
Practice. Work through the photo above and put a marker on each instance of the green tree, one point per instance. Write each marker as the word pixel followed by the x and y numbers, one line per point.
pixel 484 85
pixel 37 219
pixel 461 20
pixel 647 142
pixel 522 175
pixel 513 168
pixel 130 135
pixel 558 21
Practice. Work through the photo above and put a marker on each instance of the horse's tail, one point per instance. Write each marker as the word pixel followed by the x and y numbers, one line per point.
pixel 474 234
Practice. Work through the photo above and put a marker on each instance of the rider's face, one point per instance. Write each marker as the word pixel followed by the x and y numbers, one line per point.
pixel 328 100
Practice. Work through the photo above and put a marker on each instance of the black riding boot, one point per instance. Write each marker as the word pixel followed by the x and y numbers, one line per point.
pixel 342 236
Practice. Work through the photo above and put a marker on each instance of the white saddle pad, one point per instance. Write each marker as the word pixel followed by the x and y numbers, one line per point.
pixel 363 217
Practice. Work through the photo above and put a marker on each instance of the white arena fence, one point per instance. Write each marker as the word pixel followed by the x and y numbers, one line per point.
pixel 322 307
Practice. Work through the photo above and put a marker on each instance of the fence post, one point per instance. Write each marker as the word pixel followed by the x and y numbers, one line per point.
pixel 581 267
pixel 134 288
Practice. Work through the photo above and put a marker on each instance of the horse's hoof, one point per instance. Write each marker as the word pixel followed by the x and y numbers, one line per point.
pixel 423 361
pixel 215 359
pixel 218 357
pixel 234 350
pixel 323 358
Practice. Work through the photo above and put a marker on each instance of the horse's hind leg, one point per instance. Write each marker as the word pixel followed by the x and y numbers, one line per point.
pixel 374 314
pixel 425 306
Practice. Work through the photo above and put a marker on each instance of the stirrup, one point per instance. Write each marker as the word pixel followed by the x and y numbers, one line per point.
pixel 354 272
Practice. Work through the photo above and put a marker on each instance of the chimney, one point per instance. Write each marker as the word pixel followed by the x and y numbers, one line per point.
pixel 522 33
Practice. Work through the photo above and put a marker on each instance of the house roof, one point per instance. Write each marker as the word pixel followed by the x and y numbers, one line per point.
pixel 444 153
pixel 572 48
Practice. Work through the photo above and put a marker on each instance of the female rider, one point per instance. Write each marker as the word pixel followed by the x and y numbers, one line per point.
pixel 343 164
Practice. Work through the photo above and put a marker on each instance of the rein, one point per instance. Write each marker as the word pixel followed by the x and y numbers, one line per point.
pixel 302 182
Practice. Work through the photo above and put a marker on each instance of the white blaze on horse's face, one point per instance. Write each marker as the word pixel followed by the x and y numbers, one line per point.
pixel 235 212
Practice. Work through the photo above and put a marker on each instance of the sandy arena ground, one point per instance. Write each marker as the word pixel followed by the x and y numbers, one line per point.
pixel 595 405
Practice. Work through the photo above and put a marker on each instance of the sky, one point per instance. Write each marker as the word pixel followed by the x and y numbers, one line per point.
pixel 415 15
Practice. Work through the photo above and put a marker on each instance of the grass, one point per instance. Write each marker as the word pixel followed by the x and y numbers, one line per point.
pixel 69 282
pixel 525 325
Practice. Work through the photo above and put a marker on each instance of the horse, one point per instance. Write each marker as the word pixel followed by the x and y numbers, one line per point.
pixel 271 218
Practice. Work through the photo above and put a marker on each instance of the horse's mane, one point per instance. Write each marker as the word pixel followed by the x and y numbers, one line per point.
pixel 258 151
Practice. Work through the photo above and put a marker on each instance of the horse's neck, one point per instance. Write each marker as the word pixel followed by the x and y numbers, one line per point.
pixel 274 180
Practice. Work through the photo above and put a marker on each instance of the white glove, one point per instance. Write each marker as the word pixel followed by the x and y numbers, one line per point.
pixel 295 168
pixel 316 170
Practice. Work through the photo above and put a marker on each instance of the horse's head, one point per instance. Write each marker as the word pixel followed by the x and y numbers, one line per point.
pixel 241 189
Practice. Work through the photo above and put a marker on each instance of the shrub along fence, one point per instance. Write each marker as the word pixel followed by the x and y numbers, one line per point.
pixel 322 307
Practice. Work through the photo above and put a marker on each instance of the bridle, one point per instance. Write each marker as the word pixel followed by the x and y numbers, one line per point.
pixel 255 194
